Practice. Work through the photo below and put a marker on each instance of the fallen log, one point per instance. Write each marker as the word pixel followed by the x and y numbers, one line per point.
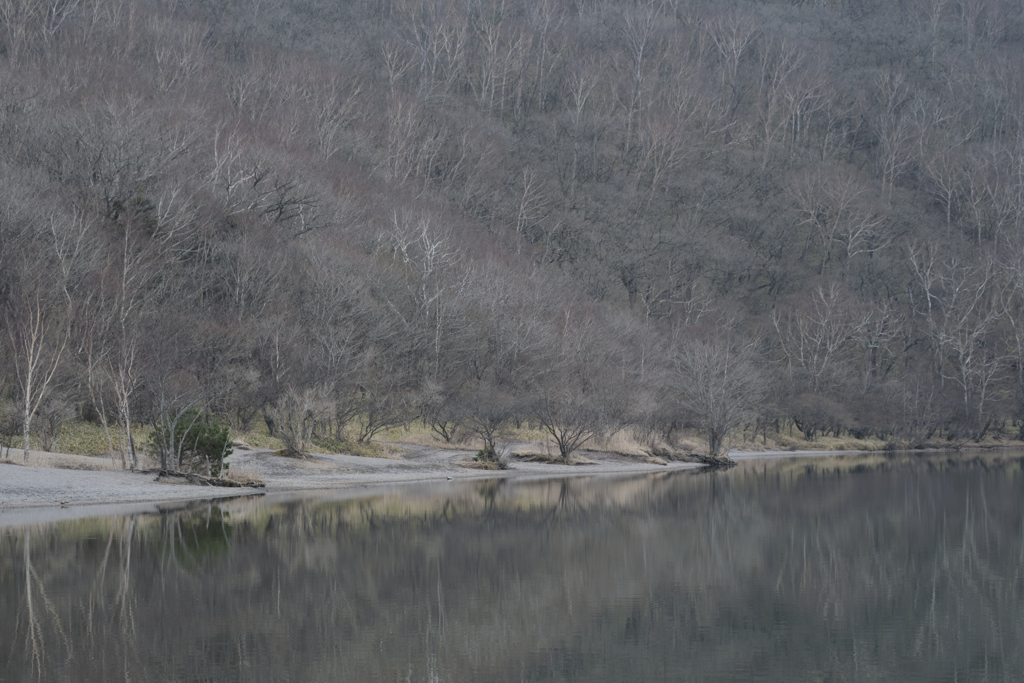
pixel 715 462
pixel 202 480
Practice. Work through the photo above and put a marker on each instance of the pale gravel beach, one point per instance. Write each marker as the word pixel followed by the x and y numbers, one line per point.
pixel 68 486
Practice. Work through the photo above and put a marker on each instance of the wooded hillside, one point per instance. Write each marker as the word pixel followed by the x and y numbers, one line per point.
pixel 340 216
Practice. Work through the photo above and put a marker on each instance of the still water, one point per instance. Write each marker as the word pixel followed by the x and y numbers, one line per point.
pixel 862 568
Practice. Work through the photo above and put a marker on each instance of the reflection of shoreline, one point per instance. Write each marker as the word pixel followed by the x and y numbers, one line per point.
pixel 445 501
pixel 353 508
pixel 11 518
pixel 817 561
pixel 854 460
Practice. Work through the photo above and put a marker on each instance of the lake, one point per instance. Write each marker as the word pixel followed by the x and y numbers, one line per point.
pixel 858 568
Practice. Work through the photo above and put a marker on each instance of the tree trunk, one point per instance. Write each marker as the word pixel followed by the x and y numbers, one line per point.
pixel 27 417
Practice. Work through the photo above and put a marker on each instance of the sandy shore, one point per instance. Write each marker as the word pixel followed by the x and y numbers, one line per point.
pixel 62 486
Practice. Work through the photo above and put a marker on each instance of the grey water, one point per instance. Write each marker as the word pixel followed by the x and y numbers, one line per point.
pixel 858 568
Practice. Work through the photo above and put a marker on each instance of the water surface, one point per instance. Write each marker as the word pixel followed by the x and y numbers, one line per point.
pixel 862 568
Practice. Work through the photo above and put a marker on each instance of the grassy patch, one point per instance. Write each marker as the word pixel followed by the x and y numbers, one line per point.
pixel 622 442
pixel 526 433
pixel 416 432
pixel 84 438
pixel 257 437
pixel 350 447
pixel 79 437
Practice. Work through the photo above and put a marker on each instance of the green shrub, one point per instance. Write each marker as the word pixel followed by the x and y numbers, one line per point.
pixel 198 443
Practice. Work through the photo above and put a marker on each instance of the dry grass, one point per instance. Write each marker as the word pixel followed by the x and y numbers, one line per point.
pixel 418 434
pixel 87 438
pixel 61 461
pixel 258 437
pixel 84 438
pixel 690 442
pixel 784 442
pixel 88 442
pixel 658 453
pixel 372 449
pixel 622 442
pixel 796 442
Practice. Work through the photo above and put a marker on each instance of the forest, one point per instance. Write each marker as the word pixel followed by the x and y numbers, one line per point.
pixel 332 217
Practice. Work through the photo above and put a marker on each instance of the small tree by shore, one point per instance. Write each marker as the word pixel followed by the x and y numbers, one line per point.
pixel 720 386
pixel 192 442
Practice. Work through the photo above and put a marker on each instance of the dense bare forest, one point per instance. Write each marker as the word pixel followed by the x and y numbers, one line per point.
pixel 335 217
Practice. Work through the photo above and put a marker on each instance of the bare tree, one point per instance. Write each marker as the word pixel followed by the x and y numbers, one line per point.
pixel 439 37
pixel 488 412
pixel 1012 306
pixel 383 401
pixel 945 169
pixel 92 334
pixel 335 105
pixel 396 63
pixel 841 213
pixel 125 297
pixel 506 336
pixel 40 309
pixel 893 128
pixel 574 400
pixel 638 34
pixel 720 386
pixel 959 302
pixel 433 258
pixel 663 139
pixel 531 205
pixel 581 86
pixel 733 35
pixel 778 92
pixel 815 336
pixel 572 416
pixel 297 414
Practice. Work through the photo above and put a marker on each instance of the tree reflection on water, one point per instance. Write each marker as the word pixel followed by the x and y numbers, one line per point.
pixel 858 568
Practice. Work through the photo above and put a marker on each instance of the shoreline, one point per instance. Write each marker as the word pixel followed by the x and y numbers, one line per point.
pixel 90 480
pixel 87 486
